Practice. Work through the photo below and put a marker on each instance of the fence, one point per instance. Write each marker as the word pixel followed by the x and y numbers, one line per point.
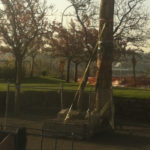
pixel 42 133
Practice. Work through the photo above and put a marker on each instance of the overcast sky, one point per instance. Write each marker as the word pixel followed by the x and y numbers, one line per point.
pixel 62 4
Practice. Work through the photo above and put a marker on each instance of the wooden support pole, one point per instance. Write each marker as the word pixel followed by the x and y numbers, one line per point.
pixel 104 60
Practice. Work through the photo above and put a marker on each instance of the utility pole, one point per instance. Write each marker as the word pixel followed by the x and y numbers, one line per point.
pixel 103 104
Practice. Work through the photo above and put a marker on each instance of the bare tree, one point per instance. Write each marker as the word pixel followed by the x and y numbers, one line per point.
pixel 21 21
pixel 134 54
pixel 66 43
pixel 131 20
pixel 34 49
pixel 85 11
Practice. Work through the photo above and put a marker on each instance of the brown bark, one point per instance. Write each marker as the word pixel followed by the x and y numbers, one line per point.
pixel 18 81
pixel 68 70
pixel 75 72
pixel 32 67
pixel 104 60
pixel 134 65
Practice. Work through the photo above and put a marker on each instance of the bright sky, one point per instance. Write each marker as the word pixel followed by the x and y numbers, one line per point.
pixel 62 4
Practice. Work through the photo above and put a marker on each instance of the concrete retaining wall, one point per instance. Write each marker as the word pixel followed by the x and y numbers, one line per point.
pixel 48 103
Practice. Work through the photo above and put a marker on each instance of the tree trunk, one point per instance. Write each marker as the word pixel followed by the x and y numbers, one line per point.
pixel 104 62
pixel 32 67
pixel 134 65
pixel 18 81
pixel 76 72
pixel 15 69
pixel 68 70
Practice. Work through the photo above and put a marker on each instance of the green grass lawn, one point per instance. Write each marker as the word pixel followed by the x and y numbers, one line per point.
pixel 42 83
pixel 132 93
pixel 51 83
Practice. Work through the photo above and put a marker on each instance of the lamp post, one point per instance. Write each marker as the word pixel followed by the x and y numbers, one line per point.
pixel 64 13
pixel 104 63
pixel 76 6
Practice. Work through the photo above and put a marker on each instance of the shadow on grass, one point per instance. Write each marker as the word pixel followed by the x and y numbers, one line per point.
pixel 45 80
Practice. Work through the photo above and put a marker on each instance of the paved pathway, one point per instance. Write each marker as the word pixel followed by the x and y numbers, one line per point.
pixel 124 139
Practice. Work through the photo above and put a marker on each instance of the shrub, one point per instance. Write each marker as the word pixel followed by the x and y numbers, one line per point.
pixel 44 73
pixel 8 73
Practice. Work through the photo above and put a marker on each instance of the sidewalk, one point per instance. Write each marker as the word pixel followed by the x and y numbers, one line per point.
pixel 127 138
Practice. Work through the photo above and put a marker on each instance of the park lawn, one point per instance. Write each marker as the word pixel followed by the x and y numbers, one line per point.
pixel 42 84
pixel 54 84
pixel 134 93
